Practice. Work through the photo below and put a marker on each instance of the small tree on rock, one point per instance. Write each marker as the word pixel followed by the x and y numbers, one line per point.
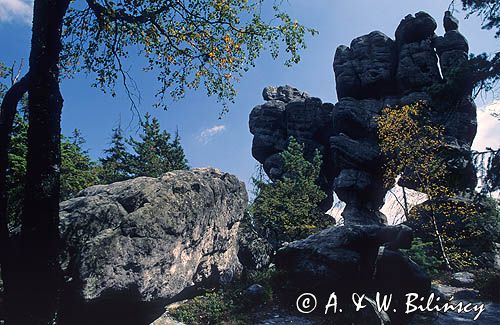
pixel 288 209
pixel 415 150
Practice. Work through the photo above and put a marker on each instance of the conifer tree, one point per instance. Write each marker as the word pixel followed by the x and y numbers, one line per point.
pixel 115 165
pixel 77 168
pixel 288 209
pixel 178 160
pixel 155 152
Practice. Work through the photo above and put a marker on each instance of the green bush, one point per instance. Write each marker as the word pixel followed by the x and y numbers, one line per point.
pixel 228 305
pixel 211 308
pixel 288 208
pixel 421 253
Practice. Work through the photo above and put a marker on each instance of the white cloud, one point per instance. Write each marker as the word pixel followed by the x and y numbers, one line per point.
pixel 207 134
pixel 488 127
pixel 16 11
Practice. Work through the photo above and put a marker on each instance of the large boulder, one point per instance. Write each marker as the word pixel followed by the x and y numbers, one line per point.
pixel 136 245
pixel 353 259
pixel 415 28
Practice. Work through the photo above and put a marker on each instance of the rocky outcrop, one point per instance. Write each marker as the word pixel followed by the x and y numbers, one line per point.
pixel 366 68
pixel 355 258
pixel 141 243
pixel 289 112
pixel 374 72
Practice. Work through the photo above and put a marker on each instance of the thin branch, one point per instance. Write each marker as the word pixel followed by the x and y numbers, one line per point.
pixel 125 75
pixel 14 78
pixel 101 13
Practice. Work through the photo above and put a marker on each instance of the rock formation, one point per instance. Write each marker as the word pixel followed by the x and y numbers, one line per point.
pixel 290 112
pixel 353 258
pixel 374 72
pixel 133 246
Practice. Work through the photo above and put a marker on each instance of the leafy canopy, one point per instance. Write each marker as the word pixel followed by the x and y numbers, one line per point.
pixel 411 146
pixel 414 149
pixel 189 42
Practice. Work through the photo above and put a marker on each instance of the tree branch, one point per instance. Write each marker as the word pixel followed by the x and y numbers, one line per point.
pixel 101 12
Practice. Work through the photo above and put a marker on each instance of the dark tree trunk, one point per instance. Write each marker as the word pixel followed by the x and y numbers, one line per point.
pixel 35 279
pixel 7 113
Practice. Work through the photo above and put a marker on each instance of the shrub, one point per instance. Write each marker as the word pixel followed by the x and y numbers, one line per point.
pixel 228 305
pixel 421 253
pixel 288 209
pixel 211 308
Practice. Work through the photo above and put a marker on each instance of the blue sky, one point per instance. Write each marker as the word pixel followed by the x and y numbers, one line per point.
pixel 226 143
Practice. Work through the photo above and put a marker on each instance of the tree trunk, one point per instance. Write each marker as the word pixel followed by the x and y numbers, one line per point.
pixel 35 279
pixel 440 240
pixel 7 113
pixel 405 202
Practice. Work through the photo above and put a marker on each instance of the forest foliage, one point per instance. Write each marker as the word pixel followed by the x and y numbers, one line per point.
pixel 460 225
pixel 154 152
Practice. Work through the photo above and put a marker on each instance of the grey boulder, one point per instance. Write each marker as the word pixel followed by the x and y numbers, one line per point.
pixel 463 279
pixel 148 241
pixel 353 258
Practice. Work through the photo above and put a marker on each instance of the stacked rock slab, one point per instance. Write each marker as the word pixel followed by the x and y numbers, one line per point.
pixel 374 72
pixel 287 113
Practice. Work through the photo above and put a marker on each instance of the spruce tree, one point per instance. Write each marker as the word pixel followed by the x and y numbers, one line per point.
pixel 288 209
pixel 155 152
pixel 78 171
pixel 115 165
pixel 178 160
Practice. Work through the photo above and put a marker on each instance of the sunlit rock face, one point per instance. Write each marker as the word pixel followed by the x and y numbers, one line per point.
pixel 373 72
pixel 133 246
